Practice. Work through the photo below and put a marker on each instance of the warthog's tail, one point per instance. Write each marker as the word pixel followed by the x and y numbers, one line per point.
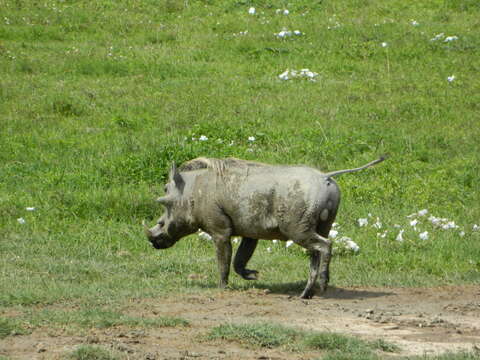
pixel 339 172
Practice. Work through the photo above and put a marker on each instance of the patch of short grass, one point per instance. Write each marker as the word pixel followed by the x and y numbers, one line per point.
pixel 464 355
pixel 83 318
pixel 262 335
pixel 273 335
pixel 89 352
pixel 97 318
pixel 10 327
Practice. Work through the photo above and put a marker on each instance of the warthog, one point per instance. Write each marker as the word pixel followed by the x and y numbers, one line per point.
pixel 233 197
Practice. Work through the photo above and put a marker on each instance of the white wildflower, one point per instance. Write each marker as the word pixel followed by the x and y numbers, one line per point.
pixel 362 222
pixel 349 244
pixel 423 235
pixel 335 225
pixel 450 38
pixel 422 212
pixel 284 33
pixel 307 73
pixel 414 23
pixel 289 243
pixel 21 220
pixel 236 240
pixel 203 138
pixel 414 222
pixel 333 234
pixel 286 12
pixel 384 44
pixel 304 73
pixel 461 233
pixel 400 236
pixel 378 224
pixel 434 220
pixel 284 75
pixel 251 138
pixel 287 33
pixel 251 11
pixel 475 227
pixel 383 235
pixel 269 249
pixel 449 225
pixel 204 236
pixel 451 78
pixel 437 37
pixel 30 208
pixel 275 241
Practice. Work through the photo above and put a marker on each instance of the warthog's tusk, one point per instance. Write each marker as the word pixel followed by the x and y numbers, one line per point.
pixel 146 229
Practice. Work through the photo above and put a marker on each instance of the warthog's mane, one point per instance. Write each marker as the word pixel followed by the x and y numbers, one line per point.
pixel 218 165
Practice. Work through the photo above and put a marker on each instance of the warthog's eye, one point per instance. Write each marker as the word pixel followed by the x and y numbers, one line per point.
pixel 161 223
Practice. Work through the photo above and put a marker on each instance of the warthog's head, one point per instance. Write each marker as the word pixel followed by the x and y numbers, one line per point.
pixel 176 222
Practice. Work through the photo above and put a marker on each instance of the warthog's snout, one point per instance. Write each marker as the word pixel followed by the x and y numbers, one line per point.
pixel 158 238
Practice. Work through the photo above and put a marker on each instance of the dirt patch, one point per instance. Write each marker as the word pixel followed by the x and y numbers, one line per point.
pixel 420 321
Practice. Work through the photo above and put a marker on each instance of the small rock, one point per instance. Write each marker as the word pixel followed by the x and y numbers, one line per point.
pixel 195 277
pixel 124 348
pixel 92 339
pixel 187 353
pixel 41 348
pixel 393 327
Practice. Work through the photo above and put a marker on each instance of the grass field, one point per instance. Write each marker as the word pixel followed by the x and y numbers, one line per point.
pixel 98 98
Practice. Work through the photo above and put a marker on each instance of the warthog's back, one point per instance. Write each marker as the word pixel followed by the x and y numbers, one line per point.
pixel 270 202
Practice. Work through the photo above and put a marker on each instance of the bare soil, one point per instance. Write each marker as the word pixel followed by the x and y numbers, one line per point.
pixel 418 320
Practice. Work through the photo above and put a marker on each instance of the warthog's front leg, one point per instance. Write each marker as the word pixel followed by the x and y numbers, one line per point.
pixel 242 256
pixel 224 258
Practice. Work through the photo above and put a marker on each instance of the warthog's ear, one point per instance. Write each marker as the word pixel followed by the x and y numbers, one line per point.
pixel 177 178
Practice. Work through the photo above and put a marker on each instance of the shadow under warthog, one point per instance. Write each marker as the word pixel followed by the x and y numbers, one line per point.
pixel 332 292
pixel 292 289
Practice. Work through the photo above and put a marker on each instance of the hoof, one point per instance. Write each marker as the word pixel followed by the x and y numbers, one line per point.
pixel 307 294
pixel 250 274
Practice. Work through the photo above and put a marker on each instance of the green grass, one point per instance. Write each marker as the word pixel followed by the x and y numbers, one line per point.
pixel 84 318
pixel 448 356
pixel 277 336
pixel 98 98
pixel 10 327
pixel 88 352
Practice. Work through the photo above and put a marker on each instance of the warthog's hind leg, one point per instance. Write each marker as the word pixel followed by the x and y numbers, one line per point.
pixel 319 247
pixel 309 290
pixel 242 256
